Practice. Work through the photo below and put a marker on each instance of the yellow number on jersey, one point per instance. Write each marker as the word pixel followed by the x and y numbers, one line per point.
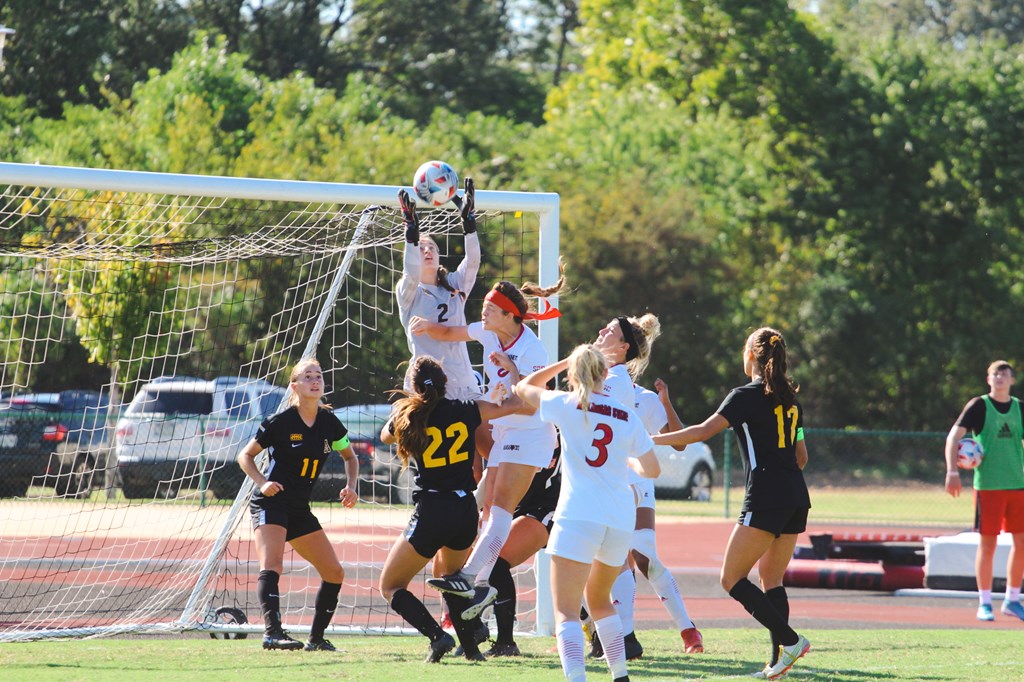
pixel 792 414
pixel 305 465
pixel 460 432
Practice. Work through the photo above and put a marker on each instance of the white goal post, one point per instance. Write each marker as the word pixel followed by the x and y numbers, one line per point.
pixel 117 520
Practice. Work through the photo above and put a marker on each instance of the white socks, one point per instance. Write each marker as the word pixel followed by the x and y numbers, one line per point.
pixel 623 595
pixel 489 544
pixel 610 631
pixel 661 579
pixel 570 650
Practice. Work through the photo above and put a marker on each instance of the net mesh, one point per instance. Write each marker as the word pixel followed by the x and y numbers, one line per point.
pixel 115 521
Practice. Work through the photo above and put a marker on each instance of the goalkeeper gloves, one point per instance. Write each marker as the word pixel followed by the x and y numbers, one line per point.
pixel 467 207
pixel 412 222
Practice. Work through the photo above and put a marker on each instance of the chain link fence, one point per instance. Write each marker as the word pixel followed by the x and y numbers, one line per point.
pixel 876 478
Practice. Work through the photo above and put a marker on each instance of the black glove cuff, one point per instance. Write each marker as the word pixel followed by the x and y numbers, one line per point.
pixel 469 224
pixel 412 233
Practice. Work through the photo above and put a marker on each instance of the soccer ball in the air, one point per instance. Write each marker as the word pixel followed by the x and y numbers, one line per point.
pixel 435 182
pixel 969 453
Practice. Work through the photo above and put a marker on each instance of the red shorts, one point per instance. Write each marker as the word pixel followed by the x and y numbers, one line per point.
pixel 996 510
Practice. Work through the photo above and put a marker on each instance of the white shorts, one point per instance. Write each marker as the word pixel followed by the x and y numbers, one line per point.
pixel 533 447
pixel 643 492
pixel 585 541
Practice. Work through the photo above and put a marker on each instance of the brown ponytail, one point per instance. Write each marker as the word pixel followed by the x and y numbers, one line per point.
pixel 412 412
pixel 769 350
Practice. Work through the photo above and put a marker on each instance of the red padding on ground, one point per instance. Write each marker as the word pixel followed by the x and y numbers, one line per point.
pixel 852 575
pixel 875 537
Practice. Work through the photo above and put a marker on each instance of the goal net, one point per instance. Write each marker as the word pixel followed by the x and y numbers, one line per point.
pixel 148 323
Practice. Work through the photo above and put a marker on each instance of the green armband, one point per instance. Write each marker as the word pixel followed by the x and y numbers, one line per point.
pixel 340 445
pixel 800 434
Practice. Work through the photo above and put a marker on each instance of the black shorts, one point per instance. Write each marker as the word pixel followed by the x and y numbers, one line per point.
pixel 297 522
pixel 442 519
pixel 540 506
pixel 776 521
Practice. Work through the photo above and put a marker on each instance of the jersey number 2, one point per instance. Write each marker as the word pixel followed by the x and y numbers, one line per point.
pixel 602 445
pixel 780 419
pixel 442 311
pixel 460 432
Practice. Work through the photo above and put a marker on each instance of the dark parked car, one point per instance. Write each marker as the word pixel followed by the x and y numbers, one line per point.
pixel 53 439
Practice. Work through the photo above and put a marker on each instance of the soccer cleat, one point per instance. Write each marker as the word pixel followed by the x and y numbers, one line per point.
pixel 1013 608
pixel 788 655
pixel 693 643
pixel 483 596
pixel 476 657
pixel 762 674
pixel 319 644
pixel 596 648
pixel 457 583
pixel 633 648
pixel 446 621
pixel 480 632
pixel 440 647
pixel 985 612
pixel 510 649
pixel 277 638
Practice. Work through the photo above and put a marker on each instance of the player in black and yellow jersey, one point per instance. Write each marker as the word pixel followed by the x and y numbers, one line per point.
pixel 299 438
pixel 768 421
pixel 437 434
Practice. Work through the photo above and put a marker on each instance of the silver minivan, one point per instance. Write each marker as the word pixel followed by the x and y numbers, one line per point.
pixel 184 433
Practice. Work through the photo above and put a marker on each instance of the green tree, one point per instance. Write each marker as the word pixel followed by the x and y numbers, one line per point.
pixel 69 51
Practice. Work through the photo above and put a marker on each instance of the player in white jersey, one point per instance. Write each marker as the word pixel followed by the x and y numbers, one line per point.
pixel 522 443
pixel 427 290
pixel 659 416
pixel 626 344
pixel 602 439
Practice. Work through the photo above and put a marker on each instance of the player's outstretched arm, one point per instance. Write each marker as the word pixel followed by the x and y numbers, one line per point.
pixel 711 426
pixel 436 330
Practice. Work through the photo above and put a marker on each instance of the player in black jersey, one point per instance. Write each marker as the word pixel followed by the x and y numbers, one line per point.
pixel 436 433
pixel 768 422
pixel 300 438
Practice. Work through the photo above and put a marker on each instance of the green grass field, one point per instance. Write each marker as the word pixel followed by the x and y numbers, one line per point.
pixel 841 655
pixel 909 505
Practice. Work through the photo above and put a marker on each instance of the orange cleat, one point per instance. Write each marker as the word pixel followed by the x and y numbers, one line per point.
pixel 693 643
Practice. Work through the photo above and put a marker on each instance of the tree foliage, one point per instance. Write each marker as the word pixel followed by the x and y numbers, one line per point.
pixel 723 164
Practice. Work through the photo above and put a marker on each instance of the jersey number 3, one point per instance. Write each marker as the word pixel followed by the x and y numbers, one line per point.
pixel 460 432
pixel 780 419
pixel 601 444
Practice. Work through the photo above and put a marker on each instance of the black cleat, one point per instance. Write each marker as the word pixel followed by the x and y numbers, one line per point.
pixel 440 647
pixel 319 644
pixel 510 649
pixel 480 632
pixel 596 649
pixel 277 638
pixel 483 596
pixel 458 583
pixel 633 648
pixel 476 658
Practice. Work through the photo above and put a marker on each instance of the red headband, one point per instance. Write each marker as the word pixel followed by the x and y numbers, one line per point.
pixel 505 303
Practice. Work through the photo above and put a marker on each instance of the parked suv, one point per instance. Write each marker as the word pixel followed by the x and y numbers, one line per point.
pixel 184 432
pixel 380 470
pixel 53 439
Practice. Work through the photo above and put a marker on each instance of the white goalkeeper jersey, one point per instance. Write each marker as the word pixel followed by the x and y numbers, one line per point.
pixel 437 304
pixel 595 448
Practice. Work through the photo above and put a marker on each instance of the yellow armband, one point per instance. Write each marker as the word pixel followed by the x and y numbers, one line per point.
pixel 800 434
